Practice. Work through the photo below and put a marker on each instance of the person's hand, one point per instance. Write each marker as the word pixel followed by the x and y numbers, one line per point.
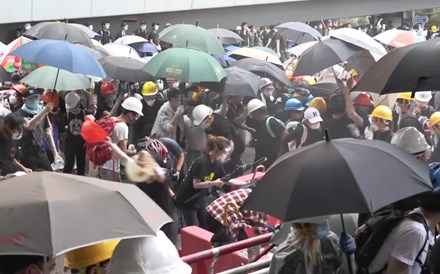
pixel 180 110
pixel 108 141
pixel 175 175
pixel 131 148
pixel 251 130
pixel 2 178
pixel 27 170
pixel 217 183
pixel 49 107
pixel 347 243
pixel 57 156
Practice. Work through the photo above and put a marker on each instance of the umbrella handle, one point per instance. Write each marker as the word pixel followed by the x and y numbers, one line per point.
pixel 350 266
pixel 227 206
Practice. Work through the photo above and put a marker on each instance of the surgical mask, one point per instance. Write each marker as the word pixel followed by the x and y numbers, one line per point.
pixel 107 26
pixel 315 125
pixel 113 97
pixel 150 102
pixel 33 105
pixel 159 85
pixel 156 27
pixel 143 27
pixel 16 135
pixel 176 85
pixel 322 231
pixel 27 27
pixel 125 27
pixel 398 109
pixel 12 100
pixel 91 27
pixel 268 91
pixel 222 158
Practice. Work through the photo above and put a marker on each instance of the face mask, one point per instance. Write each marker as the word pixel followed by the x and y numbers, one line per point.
pixel 315 125
pixel 150 102
pixel 178 103
pixel 113 97
pixel 160 85
pixel 398 109
pixel 125 27
pixel 268 91
pixel 176 85
pixel 143 27
pixel 16 135
pixel 91 27
pixel 321 231
pixel 107 26
pixel 33 105
pixel 222 158
pixel 156 27
pixel 374 127
pixel 27 27
pixel 12 100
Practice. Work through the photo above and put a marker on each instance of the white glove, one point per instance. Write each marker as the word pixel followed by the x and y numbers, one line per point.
pixel 131 148
pixel 180 110
pixel 354 131
pixel 368 133
pixel 279 55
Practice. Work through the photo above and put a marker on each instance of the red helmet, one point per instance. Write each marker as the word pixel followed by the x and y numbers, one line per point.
pixel 51 96
pixel 363 99
pixel 156 146
pixel 107 88
pixel 20 88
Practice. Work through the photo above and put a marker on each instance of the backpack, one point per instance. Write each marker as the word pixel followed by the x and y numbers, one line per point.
pixel 370 237
pixel 100 153
pixel 269 130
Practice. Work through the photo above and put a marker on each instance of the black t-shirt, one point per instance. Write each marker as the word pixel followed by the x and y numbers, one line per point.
pixel 220 127
pixel 8 150
pixel 202 169
pixel 313 136
pixel 33 140
pixel 143 126
pixel 158 192
pixel 384 136
pixel 268 145
pixel 338 128
pixel 74 124
pixel 154 36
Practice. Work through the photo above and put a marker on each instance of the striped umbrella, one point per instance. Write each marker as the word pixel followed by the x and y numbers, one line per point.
pixel 399 38
pixel 12 63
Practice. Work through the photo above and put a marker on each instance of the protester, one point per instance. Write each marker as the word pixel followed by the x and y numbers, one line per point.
pixel 105 34
pixel 142 30
pixel 381 127
pixel 123 31
pixel 169 121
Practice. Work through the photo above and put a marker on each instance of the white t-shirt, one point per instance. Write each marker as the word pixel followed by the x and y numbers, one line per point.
pixel 120 133
pixel 404 243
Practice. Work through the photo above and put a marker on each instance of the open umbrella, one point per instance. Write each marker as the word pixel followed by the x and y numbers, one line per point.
pixel 129 39
pixel 256 54
pixel 62 55
pixel 299 32
pixel 226 36
pixel 121 50
pixel 90 33
pixel 185 64
pixel 59 31
pixel 329 178
pixel 298 50
pixel 50 78
pixel 324 54
pixel 182 35
pixel 264 69
pixel 398 38
pixel 13 63
pixel 41 212
pixel 241 82
pixel 144 47
pixel 358 38
pixel 323 89
pixel 362 61
pixel 267 50
pixel 407 68
pixel 125 68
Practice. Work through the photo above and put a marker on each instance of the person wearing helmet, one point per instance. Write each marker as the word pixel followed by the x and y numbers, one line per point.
pixel 74 149
pixel 123 31
pixel 268 132
pixel 265 94
pixel 422 107
pixel 147 255
pixel 381 127
pixel 142 30
pixel 434 124
pixel 320 104
pixel 412 141
pixel 294 110
pixel 131 111
pixel 106 36
pixel 92 259
pixel 106 97
pixel 363 103
pixel 151 103
pixel 302 94
pixel 405 106
pixel 406 247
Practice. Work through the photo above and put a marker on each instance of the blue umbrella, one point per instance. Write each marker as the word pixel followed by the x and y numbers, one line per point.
pixel 144 47
pixel 62 55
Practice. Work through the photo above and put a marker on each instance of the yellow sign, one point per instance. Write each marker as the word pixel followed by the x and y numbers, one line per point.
pixel 173 71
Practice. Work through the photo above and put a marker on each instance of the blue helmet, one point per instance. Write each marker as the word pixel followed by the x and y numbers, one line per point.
pixel 309 99
pixel 293 104
pixel 434 174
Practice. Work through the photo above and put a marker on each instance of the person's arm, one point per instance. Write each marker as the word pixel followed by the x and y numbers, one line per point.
pixel 123 145
pixel 179 161
pixel 379 25
pixel 223 109
pixel 116 105
pixel 32 123
pixel 19 166
pixel 349 108
pixel 397 267
pixel 51 142
pixel 198 184
pixel 172 124
pixel 124 158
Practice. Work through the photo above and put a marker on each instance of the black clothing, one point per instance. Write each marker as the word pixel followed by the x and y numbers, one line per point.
pixel 143 126
pixel 338 128
pixel 220 127
pixel 384 136
pixel 154 36
pixel 266 145
pixel 313 136
pixel 74 145
pixel 8 151
pixel 427 112
pixel 141 33
pixel 106 36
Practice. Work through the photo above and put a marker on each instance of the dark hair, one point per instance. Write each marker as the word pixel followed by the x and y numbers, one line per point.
pixel 173 92
pixel 104 22
pixel 430 203
pixel 336 104
pixel 243 24
pixel 10 264
pixel 12 122
pixel 434 258
pixel 216 143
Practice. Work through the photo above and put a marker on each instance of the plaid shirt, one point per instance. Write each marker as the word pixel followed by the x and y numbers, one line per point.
pixel 242 219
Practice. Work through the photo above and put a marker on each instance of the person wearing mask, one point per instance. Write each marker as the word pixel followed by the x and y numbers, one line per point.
pixel 265 94
pixel 152 102
pixel 26 264
pixel 294 110
pixel 245 34
pixel 404 112
pixel 131 110
pixel 89 25
pixel 381 127
pixel 33 154
pixel 153 37
pixel 169 121
pixel 142 30
pixel 320 104
pixel 205 172
pixel 363 104
pixel 434 123
pixel 195 135
pixel 106 36
pixel 422 107
pixel 106 97
pixel 123 31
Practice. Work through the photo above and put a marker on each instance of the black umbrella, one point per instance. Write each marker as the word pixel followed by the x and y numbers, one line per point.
pixel 299 32
pixel 125 69
pixel 241 82
pixel 4 75
pixel 411 68
pixel 323 55
pixel 323 89
pixel 340 176
pixel 263 68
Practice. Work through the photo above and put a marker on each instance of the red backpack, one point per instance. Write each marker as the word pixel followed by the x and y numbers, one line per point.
pixel 100 153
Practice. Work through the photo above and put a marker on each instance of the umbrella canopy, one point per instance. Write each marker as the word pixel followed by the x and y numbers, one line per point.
pixel 324 54
pixel 13 63
pixel 226 36
pixel 362 61
pixel 4 75
pixel 144 47
pixel 299 32
pixel 129 39
pixel 267 50
pixel 60 54
pixel 121 50
pixel 301 48
pixel 358 38
pixel 46 77
pixel 59 31
pixel 125 69
pixel 398 38
pixel 408 68
pixel 323 89
pixel 264 69
pixel 43 213
pixel 90 33
pixel 185 64
pixel 256 54
pixel 330 177
pixel 241 82
pixel 182 35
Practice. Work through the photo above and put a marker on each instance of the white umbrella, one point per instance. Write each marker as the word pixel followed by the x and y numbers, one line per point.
pixel 2 47
pixel 122 50
pixel 358 38
pixel 88 31
pixel 226 36
pixel 130 39
pixel 299 49
pixel 256 54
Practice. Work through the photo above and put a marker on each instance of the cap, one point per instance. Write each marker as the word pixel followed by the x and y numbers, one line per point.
pixel 312 115
pixel 155 24
pixel 31 91
pixel 142 23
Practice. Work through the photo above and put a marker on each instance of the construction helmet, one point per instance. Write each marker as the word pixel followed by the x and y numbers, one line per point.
pixel 254 104
pixel 382 112
pixel 405 96
pixel 108 88
pixel 72 99
pixel 90 255
pixel 265 82
pixel 434 119
pixel 147 255
pixel 51 96
pixel 423 96
pixel 319 103
pixel 20 88
pixel 309 99
pixel 434 28
pixel 200 113
pixel 293 104
pixel 149 89
pixel 410 140
pixel 133 104
pixel 363 99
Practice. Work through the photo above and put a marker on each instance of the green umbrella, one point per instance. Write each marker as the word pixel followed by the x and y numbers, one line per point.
pixel 191 36
pixel 185 64
pixel 46 77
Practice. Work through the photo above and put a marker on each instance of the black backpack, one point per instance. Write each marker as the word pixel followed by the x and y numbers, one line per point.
pixel 370 237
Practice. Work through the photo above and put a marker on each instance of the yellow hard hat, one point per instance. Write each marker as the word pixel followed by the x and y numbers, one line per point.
pixel 382 112
pixel 405 96
pixel 318 103
pixel 149 89
pixel 434 28
pixel 90 255
pixel 434 119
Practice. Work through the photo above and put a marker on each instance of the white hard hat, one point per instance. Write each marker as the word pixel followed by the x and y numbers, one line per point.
pixel 254 104
pixel 410 140
pixel 265 82
pixel 423 96
pixel 200 113
pixel 292 125
pixel 133 104
pixel 72 99
pixel 147 255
